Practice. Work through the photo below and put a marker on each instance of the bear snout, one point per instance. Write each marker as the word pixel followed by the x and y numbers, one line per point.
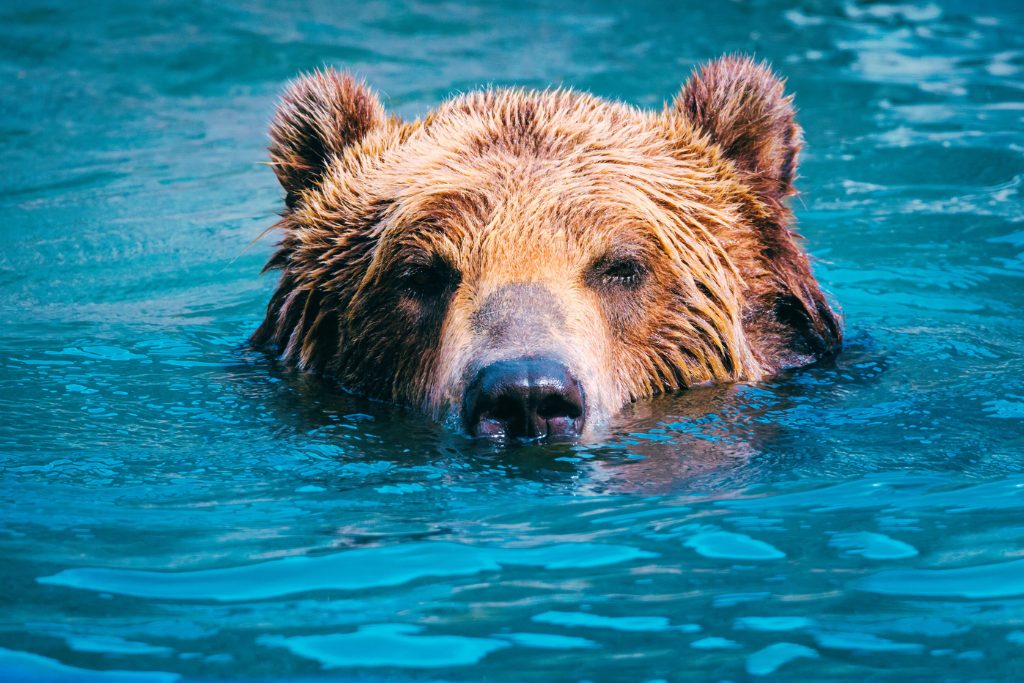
pixel 527 397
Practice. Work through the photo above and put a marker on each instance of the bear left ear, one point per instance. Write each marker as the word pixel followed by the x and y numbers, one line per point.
pixel 742 107
pixel 320 114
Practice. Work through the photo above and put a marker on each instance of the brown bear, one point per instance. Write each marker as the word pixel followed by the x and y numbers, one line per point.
pixel 529 262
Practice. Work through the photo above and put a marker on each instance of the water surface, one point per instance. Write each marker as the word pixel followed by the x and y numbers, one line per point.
pixel 175 507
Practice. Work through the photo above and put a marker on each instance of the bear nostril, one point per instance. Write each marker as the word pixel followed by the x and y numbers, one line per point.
pixel 504 415
pixel 556 405
pixel 526 397
pixel 506 408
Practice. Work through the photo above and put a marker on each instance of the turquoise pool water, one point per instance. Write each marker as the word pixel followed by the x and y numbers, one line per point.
pixel 175 507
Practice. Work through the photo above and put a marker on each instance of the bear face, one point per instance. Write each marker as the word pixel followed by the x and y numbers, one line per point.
pixel 529 262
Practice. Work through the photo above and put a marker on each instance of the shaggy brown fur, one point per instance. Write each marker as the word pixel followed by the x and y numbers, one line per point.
pixel 649 251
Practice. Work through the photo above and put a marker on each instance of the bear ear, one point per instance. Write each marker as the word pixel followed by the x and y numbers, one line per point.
pixel 320 114
pixel 742 107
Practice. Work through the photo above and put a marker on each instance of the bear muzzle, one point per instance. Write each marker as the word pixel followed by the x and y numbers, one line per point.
pixel 530 397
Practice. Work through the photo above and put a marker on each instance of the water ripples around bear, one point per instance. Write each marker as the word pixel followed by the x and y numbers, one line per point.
pixel 176 507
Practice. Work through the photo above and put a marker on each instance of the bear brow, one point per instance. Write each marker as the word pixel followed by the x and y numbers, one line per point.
pixel 433 211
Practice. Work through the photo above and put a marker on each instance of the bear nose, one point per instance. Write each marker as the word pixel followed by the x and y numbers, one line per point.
pixel 525 397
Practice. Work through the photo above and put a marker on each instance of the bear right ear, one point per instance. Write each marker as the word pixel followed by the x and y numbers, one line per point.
pixel 320 115
pixel 743 108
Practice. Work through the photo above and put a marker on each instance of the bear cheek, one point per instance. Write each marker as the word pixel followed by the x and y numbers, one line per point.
pixel 628 315
pixel 435 332
pixel 386 346
pixel 638 320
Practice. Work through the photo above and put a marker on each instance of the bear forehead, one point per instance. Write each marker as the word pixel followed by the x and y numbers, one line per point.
pixel 569 157
pixel 567 127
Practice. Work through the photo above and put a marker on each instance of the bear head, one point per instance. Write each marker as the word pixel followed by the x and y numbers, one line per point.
pixel 528 262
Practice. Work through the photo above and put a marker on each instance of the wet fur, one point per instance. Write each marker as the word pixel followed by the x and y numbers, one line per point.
pixel 511 188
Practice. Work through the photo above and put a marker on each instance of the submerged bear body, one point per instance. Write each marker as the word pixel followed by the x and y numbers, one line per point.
pixel 530 262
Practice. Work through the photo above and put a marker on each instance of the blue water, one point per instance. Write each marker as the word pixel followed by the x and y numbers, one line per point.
pixel 176 507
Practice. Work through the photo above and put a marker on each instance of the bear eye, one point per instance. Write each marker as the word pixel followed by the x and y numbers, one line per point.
pixel 621 272
pixel 429 280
